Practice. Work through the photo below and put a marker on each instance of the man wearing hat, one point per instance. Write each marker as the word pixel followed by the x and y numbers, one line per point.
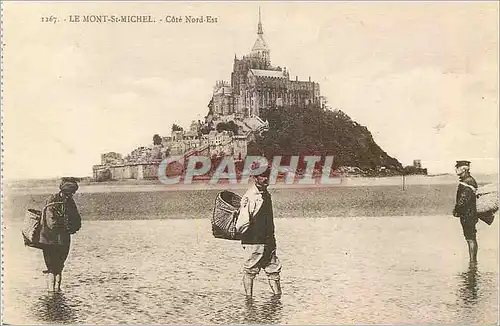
pixel 61 220
pixel 256 226
pixel 465 207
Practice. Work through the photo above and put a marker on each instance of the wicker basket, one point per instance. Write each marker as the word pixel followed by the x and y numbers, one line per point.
pixel 31 228
pixel 225 215
pixel 487 199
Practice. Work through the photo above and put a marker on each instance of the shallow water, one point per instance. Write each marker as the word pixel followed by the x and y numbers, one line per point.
pixel 411 269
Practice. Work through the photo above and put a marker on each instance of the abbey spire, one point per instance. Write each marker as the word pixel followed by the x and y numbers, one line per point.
pixel 260 48
pixel 259 26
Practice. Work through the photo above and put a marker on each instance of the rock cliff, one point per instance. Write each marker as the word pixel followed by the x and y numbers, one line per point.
pixel 312 130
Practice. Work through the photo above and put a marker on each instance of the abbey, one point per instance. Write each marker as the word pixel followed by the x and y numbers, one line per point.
pixel 235 117
pixel 257 85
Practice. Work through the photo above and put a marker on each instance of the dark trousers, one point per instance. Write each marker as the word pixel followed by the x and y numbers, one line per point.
pixel 55 256
pixel 469 227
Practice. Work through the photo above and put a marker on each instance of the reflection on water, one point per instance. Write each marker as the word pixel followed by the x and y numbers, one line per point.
pixel 332 276
pixel 468 290
pixel 54 308
pixel 269 312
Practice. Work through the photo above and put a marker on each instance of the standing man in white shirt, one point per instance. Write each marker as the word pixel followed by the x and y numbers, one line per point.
pixel 256 226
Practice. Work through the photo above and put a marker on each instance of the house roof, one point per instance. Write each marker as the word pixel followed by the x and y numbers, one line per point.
pixel 268 73
pixel 253 122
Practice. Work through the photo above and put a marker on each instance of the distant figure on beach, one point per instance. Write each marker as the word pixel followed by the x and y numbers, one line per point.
pixel 61 220
pixel 257 239
pixel 465 207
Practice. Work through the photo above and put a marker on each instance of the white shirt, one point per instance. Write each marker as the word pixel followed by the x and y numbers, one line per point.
pixel 251 202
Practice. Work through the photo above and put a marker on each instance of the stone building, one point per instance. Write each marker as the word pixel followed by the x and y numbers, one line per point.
pixel 111 158
pixel 222 102
pixel 180 142
pixel 257 85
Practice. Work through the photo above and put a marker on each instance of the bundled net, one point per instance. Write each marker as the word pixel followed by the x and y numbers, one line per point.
pixel 225 215
pixel 31 228
pixel 487 202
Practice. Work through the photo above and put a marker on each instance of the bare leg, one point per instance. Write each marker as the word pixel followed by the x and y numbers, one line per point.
pixel 275 286
pixel 52 282
pixel 472 250
pixel 58 278
pixel 475 248
pixel 248 285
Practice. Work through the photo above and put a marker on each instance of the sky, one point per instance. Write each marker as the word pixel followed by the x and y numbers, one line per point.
pixel 421 76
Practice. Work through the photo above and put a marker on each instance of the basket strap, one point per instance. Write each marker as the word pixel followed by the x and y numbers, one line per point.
pixel 481 193
pixel 468 185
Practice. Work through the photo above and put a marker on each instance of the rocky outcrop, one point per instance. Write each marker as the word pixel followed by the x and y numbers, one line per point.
pixel 312 130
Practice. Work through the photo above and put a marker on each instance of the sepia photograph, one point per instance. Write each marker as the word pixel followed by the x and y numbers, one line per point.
pixel 250 162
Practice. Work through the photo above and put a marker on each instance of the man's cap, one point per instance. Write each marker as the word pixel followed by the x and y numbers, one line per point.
pixel 69 184
pixel 462 163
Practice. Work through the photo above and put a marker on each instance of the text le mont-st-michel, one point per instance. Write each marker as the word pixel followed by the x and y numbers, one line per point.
pixel 175 19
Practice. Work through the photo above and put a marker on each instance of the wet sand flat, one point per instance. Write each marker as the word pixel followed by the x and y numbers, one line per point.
pixel 350 270
pixel 288 202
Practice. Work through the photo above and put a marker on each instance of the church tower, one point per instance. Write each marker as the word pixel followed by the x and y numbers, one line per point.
pixel 260 49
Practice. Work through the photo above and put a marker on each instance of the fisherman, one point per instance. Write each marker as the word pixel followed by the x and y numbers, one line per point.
pixel 61 220
pixel 256 226
pixel 465 207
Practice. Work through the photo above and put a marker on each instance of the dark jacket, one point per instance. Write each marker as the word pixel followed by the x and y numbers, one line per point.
pixel 465 206
pixel 261 227
pixel 60 221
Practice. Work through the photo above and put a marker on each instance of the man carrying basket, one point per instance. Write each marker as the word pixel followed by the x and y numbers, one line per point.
pixel 256 226
pixel 465 207
pixel 61 220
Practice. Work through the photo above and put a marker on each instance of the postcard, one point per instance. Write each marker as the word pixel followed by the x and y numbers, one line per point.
pixel 249 162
